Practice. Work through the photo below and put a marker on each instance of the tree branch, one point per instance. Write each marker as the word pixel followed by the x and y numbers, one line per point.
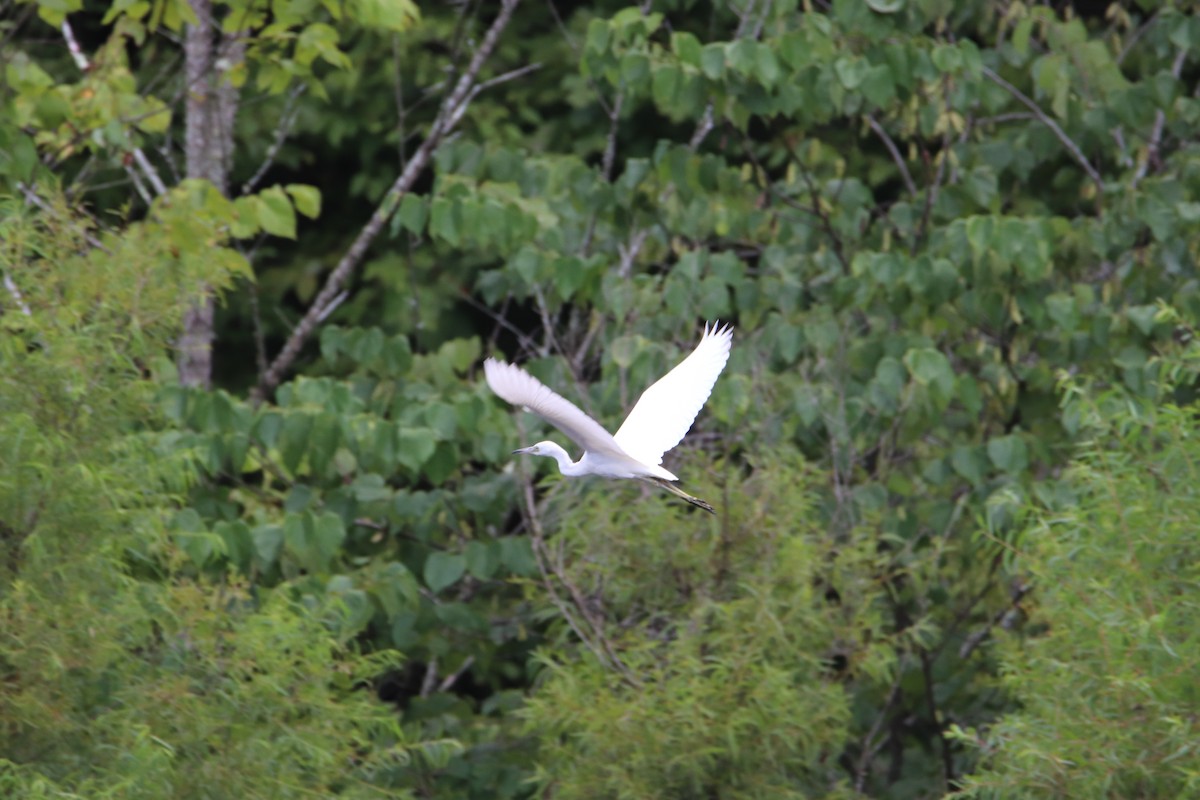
pixel 1045 119
pixel 286 120
pixel 17 297
pixel 1160 120
pixel 895 151
pixel 85 65
pixel 452 109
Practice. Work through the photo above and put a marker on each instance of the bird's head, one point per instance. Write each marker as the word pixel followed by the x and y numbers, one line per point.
pixel 539 449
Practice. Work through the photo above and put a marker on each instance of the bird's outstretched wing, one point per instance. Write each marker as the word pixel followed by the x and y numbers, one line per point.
pixel 665 412
pixel 522 389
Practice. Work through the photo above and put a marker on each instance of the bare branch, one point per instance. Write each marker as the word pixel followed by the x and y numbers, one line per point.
pixel 1045 119
pixel 1160 120
pixel 702 129
pixel 430 679
pixel 1001 618
pixel 151 173
pixel 511 75
pixel 81 60
pixel 140 187
pixel 629 252
pixel 84 65
pixel 286 120
pixel 260 344
pixel 451 679
pixel 452 109
pixel 895 151
pixel 34 198
pixel 337 300
pixel 606 166
pixel 869 746
pixel 17 297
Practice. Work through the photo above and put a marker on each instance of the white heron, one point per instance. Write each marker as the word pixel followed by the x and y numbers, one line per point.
pixel 658 422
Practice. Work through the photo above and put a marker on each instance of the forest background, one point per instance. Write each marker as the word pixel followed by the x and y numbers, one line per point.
pixel 260 532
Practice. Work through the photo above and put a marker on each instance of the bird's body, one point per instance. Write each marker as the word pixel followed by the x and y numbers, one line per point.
pixel 660 419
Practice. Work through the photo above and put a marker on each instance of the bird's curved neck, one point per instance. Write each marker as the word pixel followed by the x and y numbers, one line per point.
pixel 565 465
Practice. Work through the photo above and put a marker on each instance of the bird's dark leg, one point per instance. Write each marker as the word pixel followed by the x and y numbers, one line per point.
pixel 675 490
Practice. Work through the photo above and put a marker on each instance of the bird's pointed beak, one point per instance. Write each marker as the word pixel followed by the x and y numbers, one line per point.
pixel 522 451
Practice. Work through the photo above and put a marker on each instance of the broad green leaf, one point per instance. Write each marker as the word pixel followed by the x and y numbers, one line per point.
pixel 1008 453
pixel 482 558
pixel 443 569
pixel 306 198
pixel 275 213
pixel 414 446
pixel 516 553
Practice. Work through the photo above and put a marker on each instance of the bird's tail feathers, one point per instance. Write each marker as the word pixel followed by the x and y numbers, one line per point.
pixel 675 490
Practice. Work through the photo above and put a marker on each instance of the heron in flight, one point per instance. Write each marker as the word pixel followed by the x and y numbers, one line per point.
pixel 658 422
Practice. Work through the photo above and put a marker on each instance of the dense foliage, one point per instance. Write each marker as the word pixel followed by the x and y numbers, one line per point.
pixel 951 453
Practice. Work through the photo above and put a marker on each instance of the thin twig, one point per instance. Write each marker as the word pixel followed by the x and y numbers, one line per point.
pixel 453 107
pixel 702 129
pixel 17 297
pixel 81 60
pixel 895 151
pixel 939 725
pixel 85 65
pixel 451 679
pixel 431 676
pixel 34 198
pixel 815 197
pixel 511 75
pixel 1019 590
pixel 260 344
pixel 286 120
pixel 337 300
pixel 151 173
pixel 140 187
pixel 869 747
pixel 1045 119
pixel 1160 119
pixel 629 252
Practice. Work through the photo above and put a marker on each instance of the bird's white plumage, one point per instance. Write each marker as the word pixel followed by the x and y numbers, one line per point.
pixel 666 411
pixel 660 419
pixel 522 389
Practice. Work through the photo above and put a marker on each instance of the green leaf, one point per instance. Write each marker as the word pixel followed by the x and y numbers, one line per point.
pixel 766 66
pixel 385 15
pixel 886 6
pixel 687 48
pixel 947 58
pixel 268 539
pixel 969 462
pixel 275 213
pixel 516 553
pixel 666 83
pixel 931 368
pixel 328 535
pixel 443 570
pixel 712 61
pixel 414 446
pixel 851 71
pixel 413 213
pixel 1008 453
pixel 306 198
pixel 293 440
pixel 244 223
pixel 483 559
pixel 1143 317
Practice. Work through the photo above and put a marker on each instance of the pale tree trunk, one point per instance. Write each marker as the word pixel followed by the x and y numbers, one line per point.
pixel 208 147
